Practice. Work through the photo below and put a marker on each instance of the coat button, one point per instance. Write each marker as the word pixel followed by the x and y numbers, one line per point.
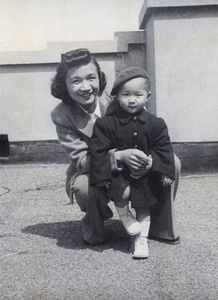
pixel 136 146
pixel 134 118
pixel 135 134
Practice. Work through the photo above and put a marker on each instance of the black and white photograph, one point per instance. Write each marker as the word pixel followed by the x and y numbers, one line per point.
pixel 108 149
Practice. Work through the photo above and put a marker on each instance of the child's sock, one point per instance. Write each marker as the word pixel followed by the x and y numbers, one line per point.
pixel 122 211
pixel 131 225
pixel 145 226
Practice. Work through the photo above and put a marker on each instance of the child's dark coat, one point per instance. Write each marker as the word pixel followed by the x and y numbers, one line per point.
pixel 120 131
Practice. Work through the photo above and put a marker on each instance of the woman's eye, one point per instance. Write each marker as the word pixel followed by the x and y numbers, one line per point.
pixel 92 78
pixel 75 82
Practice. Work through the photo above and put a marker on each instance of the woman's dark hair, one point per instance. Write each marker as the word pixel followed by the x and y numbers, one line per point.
pixel 71 59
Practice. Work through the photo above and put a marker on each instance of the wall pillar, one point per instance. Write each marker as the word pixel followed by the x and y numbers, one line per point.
pixel 182 61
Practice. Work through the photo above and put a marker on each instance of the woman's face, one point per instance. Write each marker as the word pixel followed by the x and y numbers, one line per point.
pixel 83 84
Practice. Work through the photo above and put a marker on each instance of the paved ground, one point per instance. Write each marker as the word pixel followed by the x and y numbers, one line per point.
pixel 42 256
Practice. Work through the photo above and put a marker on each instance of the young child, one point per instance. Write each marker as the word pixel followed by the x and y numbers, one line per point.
pixel 144 154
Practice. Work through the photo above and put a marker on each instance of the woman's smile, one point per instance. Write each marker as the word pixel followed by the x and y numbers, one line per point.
pixel 86 95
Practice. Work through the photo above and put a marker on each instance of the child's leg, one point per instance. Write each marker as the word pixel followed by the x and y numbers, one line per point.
pixel 143 216
pixel 131 225
pixel 141 243
pixel 124 201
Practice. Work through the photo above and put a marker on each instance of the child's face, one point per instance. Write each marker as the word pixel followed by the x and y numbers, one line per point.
pixel 132 96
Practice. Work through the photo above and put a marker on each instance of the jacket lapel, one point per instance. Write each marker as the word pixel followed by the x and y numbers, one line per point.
pixel 82 120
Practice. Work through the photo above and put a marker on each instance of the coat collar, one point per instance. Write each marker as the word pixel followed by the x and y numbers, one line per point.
pixel 125 117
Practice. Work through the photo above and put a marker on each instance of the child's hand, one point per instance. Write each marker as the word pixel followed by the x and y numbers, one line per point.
pixel 103 183
pixel 166 181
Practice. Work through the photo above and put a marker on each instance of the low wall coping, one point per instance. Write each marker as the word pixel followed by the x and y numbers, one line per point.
pixel 149 5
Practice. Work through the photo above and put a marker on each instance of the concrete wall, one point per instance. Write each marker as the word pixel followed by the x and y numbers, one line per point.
pixel 25 77
pixel 182 60
pixel 184 67
pixel 26 101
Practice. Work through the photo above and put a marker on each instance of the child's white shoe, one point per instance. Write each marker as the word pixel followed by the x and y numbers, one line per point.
pixel 131 225
pixel 141 247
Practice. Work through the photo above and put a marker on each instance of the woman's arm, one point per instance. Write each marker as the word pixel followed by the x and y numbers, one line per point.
pixel 75 147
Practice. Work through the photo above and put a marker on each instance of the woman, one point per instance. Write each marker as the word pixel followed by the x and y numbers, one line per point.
pixel 80 83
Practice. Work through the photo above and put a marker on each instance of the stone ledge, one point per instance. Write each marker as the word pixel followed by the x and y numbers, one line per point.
pixel 197 158
pixel 35 151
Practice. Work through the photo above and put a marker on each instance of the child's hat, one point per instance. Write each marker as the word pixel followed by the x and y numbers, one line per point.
pixel 126 75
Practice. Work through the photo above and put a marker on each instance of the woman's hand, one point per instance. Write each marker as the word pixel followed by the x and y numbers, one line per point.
pixel 133 158
pixel 137 161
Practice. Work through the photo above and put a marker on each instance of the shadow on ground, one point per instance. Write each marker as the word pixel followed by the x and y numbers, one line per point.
pixel 69 235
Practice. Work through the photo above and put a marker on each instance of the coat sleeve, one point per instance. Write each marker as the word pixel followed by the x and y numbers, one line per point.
pixel 75 147
pixel 100 146
pixel 162 151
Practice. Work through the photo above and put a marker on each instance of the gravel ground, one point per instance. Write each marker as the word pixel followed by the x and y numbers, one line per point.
pixel 43 257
